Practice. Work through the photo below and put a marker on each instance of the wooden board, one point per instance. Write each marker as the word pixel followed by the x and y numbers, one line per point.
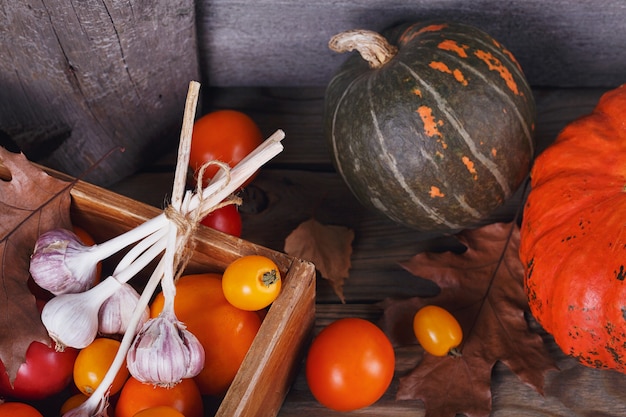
pixel 559 43
pixel 91 78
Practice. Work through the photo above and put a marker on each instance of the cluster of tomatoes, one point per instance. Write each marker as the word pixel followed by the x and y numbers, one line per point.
pixel 224 311
pixel 227 136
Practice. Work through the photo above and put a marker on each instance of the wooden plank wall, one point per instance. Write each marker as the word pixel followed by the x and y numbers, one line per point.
pixel 559 43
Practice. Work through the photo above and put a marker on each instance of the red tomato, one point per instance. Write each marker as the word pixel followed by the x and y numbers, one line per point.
pixel 350 364
pixel 223 135
pixel 224 331
pixel 225 219
pixel 137 396
pixel 15 409
pixel 45 372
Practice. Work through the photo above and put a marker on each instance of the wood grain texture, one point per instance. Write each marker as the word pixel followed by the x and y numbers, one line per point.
pixel 80 79
pixel 284 43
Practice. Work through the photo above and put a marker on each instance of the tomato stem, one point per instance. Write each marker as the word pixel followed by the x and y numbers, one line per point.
pixel 455 352
pixel 269 278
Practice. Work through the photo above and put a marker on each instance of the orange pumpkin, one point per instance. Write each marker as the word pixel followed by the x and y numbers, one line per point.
pixel 573 236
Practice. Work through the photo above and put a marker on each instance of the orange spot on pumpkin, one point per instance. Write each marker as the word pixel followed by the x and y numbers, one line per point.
pixel 436 192
pixel 453 46
pixel 494 64
pixel 494 152
pixel 417 92
pixel 458 75
pixel 431 126
pixel 470 167
pixel 440 66
pixel 409 34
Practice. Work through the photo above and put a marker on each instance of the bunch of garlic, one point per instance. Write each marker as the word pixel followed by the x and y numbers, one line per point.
pixel 159 350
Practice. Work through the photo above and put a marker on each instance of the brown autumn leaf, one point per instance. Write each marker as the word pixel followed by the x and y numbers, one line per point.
pixel 328 247
pixel 31 202
pixel 494 327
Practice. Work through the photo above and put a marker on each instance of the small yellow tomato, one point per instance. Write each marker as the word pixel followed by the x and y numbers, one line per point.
pixel 437 331
pixel 92 364
pixel 73 402
pixel 251 282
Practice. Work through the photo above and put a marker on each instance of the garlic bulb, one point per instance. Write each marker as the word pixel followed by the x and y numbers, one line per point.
pixel 72 319
pixel 61 263
pixel 164 352
pixel 117 311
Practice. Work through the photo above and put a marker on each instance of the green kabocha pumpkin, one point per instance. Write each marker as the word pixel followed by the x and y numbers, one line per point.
pixel 431 124
pixel 573 236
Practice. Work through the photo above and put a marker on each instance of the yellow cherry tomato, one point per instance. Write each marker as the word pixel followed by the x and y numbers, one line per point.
pixel 251 282
pixel 92 364
pixel 73 402
pixel 437 331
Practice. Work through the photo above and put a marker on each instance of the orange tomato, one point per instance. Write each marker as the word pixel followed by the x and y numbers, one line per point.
pixel 17 409
pixel 159 411
pixel 223 135
pixel 192 291
pixel 137 396
pixel 83 235
pixel 350 364
pixel 92 364
pixel 224 331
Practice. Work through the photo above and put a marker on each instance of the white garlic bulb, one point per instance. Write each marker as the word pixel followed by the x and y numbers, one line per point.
pixel 117 311
pixel 164 352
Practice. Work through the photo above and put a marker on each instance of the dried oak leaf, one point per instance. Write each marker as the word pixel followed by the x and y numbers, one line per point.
pixel 31 202
pixel 483 288
pixel 328 247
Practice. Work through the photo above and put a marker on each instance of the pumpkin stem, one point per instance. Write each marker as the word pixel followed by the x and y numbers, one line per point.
pixel 372 46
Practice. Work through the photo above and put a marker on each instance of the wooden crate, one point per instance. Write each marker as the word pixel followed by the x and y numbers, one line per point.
pixel 267 371
pixel 269 367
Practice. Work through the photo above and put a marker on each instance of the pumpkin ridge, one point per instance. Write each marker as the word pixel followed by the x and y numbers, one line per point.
pixel 334 141
pixel 508 102
pixel 498 50
pixel 502 94
pixel 391 167
pixel 445 109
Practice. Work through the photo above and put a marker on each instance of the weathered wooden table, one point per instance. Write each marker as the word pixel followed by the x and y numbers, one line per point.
pixel 301 183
